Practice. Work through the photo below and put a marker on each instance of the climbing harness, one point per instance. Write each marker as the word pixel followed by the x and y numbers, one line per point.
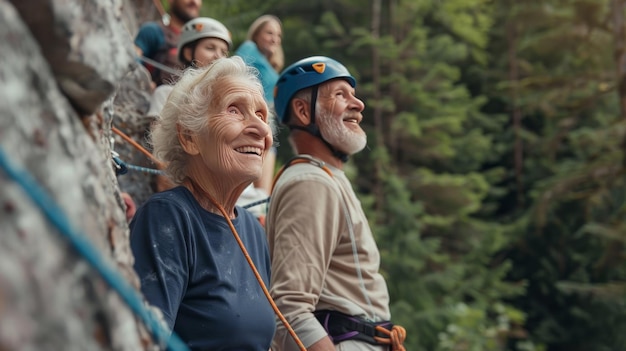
pixel 341 327
pixel 259 279
pixel 90 253
pixel 300 159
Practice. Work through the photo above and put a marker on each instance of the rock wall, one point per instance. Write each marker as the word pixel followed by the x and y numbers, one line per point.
pixel 67 69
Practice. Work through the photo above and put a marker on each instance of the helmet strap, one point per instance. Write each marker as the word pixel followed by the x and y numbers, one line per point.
pixel 314 130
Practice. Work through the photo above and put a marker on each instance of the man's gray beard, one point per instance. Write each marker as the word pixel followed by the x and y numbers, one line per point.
pixel 339 136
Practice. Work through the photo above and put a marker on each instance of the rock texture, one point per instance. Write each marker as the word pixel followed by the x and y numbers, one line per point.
pixel 67 69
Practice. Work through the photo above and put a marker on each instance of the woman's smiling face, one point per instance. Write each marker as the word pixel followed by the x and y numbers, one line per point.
pixel 238 135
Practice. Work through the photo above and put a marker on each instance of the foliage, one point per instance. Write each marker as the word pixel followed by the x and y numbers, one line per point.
pixel 494 175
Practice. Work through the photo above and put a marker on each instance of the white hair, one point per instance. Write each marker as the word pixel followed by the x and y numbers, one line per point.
pixel 187 109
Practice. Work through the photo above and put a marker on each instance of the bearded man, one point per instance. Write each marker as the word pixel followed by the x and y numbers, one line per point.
pixel 325 262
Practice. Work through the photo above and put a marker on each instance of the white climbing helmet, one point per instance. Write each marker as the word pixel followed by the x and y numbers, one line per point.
pixel 202 27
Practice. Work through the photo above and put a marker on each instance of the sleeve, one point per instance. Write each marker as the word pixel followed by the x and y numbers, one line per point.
pixel 158 99
pixel 161 258
pixel 149 39
pixel 303 235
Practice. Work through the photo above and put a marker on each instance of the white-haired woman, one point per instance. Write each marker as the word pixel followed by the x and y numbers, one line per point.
pixel 213 135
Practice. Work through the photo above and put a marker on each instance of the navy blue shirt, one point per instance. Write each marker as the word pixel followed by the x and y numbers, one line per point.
pixel 192 268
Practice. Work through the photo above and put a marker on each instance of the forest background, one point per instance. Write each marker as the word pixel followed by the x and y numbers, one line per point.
pixel 494 172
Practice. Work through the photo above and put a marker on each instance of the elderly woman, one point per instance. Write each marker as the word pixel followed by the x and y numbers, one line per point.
pixel 213 134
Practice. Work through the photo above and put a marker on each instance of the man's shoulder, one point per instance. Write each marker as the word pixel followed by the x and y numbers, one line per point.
pixel 304 178
pixel 306 170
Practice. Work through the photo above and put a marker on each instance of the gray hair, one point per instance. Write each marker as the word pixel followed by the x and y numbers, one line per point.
pixel 187 108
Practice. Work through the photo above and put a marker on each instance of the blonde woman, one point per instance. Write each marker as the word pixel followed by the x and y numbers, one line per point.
pixel 263 51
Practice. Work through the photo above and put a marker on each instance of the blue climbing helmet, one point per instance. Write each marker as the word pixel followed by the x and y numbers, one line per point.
pixel 308 72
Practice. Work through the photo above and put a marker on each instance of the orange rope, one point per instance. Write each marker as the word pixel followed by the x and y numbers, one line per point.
pixel 159 164
pixel 251 264
pixel 395 337
pixel 292 162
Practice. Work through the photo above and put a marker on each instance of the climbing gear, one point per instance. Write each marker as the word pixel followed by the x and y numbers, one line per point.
pixel 200 28
pixel 256 203
pixel 300 159
pixel 120 166
pixel 303 74
pixel 341 327
pixel 129 140
pixel 162 67
pixel 91 254
pixel 259 279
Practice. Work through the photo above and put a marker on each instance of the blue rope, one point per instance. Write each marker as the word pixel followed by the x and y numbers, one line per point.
pixel 91 254
pixel 143 169
pixel 256 203
pixel 124 167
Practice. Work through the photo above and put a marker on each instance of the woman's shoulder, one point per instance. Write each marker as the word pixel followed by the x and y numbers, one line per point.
pixel 175 198
pixel 248 47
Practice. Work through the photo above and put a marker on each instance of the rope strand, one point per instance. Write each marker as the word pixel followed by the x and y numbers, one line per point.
pixel 81 243
pixel 395 337
pixel 128 139
pixel 251 264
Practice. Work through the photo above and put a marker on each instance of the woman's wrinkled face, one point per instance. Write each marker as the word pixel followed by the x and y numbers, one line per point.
pixel 208 50
pixel 269 38
pixel 238 135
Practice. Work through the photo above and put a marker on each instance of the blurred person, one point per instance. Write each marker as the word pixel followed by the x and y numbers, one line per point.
pixel 202 41
pixel 158 40
pixel 263 50
pixel 213 135
pixel 325 262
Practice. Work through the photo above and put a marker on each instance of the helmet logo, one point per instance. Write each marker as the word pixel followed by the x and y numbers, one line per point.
pixel 319 67
pixel 198 27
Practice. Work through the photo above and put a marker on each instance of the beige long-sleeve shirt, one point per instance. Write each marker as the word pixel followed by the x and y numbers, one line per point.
pixel 313 262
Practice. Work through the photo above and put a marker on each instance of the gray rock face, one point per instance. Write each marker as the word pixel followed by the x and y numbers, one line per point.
pixel 67 71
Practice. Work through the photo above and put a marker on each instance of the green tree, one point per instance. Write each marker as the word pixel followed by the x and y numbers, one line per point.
pixel 565 202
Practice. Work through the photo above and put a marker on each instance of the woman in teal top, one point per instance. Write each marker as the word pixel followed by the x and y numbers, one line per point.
pixel 263 51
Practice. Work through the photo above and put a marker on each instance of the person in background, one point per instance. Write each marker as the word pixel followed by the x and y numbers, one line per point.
pixel 158 41
pixel 263 50
pixel 202 41
pixel 325 262
pixel 213 135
